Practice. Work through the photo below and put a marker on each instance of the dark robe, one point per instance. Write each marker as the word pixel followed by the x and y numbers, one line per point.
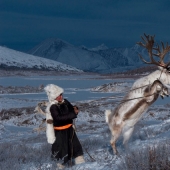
pixel 66 145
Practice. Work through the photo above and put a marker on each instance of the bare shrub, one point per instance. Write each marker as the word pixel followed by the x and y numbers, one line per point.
pixel 20 156
pixel 153 157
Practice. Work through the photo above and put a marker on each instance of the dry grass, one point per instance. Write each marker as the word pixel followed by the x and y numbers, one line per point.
pixel 154 157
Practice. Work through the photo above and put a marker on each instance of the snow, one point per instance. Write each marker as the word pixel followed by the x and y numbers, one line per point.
pixel 100 59
pixel 11 58
pixel 18 123
pixel 59 50
pixel 100 47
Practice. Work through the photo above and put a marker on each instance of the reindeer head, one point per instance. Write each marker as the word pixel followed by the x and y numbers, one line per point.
pixel 155 51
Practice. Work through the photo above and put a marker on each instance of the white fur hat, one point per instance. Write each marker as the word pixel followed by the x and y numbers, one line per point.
pixel 53 91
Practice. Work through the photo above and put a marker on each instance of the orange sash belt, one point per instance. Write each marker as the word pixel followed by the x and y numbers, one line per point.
pixel 62 127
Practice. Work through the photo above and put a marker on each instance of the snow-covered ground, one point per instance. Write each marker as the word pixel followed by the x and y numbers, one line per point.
pixel 22 147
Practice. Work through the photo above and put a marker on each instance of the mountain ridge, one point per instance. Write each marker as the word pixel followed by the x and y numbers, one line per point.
pixel 99 59
pixel 12 59
pixel 56 54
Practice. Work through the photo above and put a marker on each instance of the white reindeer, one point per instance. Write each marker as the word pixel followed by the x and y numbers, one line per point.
pixel 39 105
pixel 143 93
pixel 38 109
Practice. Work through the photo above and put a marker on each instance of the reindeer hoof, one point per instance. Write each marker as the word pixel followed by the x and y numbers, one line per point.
pixel 118 155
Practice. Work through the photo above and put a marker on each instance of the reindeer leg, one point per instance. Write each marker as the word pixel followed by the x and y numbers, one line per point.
pixel 164 92
pixel 113 144
pixel 152 92
pixel 126 136
pixel 115 135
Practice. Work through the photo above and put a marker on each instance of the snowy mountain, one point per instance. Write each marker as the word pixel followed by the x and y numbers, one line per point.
pixel 64 52
pixel 100 47
pixel 11 59
pixel 100 59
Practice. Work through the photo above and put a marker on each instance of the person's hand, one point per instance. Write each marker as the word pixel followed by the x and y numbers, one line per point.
pixel 49 121
pixel 76 110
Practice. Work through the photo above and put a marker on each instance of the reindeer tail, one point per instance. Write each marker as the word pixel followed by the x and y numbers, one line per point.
pixel 107 113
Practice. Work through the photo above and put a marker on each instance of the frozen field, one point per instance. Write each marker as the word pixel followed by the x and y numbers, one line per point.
pixel 77 88
pixel 28 149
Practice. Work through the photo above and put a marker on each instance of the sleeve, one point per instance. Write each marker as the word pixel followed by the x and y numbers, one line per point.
pixel 61 117
pixel 70 106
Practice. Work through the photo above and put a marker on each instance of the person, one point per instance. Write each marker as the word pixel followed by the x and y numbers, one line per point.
pixel 59 130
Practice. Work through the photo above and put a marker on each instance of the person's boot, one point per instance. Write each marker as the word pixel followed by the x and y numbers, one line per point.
pixel 79 160
pixel 60 166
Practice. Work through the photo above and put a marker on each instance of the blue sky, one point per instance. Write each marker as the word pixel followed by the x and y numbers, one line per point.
pixel 116 23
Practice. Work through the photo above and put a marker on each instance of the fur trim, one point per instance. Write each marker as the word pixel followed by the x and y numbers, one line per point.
pixel 50 133
pixel 107 113
pixel 53 91
pixel 79 160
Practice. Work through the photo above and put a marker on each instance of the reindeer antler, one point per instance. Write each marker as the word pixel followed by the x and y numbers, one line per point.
pixel 162 54
pixel 149 45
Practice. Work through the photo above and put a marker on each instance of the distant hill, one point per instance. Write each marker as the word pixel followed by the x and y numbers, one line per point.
pixel 11 59
pixel 100 59
pixel 64 52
